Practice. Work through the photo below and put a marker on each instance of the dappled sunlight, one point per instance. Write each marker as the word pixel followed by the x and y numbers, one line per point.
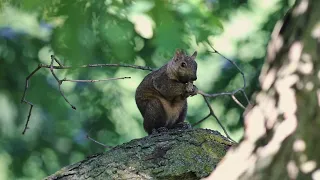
pixel 243 158
pixel 267 80
pixel 301 8
pixel 284 129
pixel 294 55
pixel 299 145
pixel 306 64
pixel 316 175
pixel 308 167
pixel 292 169
pixel 316 31
pixel 143 25
pixel 276 42
pixel 255 125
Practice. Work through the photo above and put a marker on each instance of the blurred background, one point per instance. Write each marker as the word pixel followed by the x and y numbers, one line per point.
pixel 139 32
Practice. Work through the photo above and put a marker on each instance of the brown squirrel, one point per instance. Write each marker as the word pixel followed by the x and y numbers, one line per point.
pixel 162 95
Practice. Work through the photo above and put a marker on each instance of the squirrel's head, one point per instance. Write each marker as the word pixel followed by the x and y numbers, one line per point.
pixel 183 67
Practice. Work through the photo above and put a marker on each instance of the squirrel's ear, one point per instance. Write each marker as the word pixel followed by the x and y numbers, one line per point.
pixel 194 55
pixel 178 54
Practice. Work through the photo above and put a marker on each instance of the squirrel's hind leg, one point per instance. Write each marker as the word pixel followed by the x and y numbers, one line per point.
pixel 180 124
pixel 154 116
pixel 183 114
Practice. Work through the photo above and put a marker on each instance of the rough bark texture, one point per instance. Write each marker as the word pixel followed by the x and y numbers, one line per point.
pixel 177 154
pixel 282 128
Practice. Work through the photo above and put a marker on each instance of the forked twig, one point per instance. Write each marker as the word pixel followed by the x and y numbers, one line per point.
pixel 95 66
pixel 211 113
pixel 201 120
pixel 232 94
pixel 23 99
pixel 59 82
pixel 51 67
pixel 242 74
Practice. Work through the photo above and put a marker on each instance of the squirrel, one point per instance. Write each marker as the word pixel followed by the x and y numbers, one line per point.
pixel 162 95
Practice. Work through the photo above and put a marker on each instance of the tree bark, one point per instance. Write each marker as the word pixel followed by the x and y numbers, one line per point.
pixel 282 128
pixel 176 154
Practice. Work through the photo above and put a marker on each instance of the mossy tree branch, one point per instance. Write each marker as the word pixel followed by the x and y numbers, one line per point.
pixel 176 154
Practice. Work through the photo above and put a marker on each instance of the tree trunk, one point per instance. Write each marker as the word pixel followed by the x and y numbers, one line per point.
pixel 282 129
pixel 177 154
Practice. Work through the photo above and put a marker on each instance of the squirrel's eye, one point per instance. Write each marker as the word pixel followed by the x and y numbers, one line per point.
pixel 183 64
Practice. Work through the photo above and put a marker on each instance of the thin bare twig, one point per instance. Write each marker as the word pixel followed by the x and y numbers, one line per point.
pixel 59 83
pixel 55 59
pixel 237 101
pixel 211 113
pixel 61 66
pixel 231 94
pixel 27 84
pixel 28 119
pixel 98 65
pixel 89 80
pixel 23 99
pixel 106 146
pixel 201 120
pixel 245 95
pixel 95 65
pixel 241 72
pixel 218 94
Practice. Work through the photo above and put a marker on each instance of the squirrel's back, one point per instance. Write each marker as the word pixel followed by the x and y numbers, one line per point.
pixel 146 90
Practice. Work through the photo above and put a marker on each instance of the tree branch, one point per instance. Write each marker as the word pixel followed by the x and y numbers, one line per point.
pixel 168 155
pixel 91 80
pixel 61 66
pixel 23 99
pixel 211 113
pixel 231 94
pixel 59 83
pixel 241 72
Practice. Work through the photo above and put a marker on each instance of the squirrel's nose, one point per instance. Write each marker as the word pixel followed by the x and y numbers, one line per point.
pixel 194 78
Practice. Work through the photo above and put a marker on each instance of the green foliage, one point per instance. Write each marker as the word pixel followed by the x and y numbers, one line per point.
pixel 137 32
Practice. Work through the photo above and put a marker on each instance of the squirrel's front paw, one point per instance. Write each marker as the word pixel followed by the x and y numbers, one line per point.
pixel 191 89
pixel 194 91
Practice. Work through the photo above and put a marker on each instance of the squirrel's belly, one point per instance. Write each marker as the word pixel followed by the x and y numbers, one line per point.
pixel 172 111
